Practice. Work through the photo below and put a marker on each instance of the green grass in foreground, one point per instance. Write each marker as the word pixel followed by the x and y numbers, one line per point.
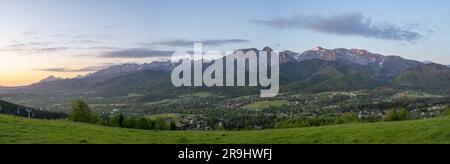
pixel 22 130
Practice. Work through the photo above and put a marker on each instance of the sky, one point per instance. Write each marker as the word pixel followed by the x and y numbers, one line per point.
pixel 66 38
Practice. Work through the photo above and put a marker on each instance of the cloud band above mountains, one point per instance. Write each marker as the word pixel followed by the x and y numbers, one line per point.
pixel 343 24
pixel 147 53
pixel 85 69
pixel 137 53
pixel 187 43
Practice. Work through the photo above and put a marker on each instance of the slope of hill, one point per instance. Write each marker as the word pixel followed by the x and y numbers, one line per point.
pixel 22 130
pixel 433 78
pixel 50 78
pixel 311 75
pixel 123 70
pixel 334 75
pixel 143 82
pixel 317 75
pixel 385 66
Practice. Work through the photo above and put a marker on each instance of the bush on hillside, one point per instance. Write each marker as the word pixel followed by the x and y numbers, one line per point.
pixel 397 115
pixel 81 112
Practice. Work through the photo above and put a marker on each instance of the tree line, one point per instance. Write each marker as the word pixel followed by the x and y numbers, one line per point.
pixel 81 112
pixel 286 116
pixel 17 110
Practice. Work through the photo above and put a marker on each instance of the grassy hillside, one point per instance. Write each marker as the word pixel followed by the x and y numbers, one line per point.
pixel 432 78
pixel 22 130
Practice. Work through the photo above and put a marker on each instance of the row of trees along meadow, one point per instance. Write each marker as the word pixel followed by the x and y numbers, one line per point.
pixel 17 110
pixel 81 112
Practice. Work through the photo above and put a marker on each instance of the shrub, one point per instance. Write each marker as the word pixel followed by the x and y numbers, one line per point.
pixel 142 123
pixel 118 120
pixel 397 115
pixel 446 111
pixel 403 114
pixel 81 112
pixel 173 125
pixel 350 118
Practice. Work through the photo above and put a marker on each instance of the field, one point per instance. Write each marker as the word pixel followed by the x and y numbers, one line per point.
pixel 22 130
pixel 264 104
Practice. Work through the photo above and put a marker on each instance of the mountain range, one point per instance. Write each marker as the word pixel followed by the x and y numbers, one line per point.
pixel 314 70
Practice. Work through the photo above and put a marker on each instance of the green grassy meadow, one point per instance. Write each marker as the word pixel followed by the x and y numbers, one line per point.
pixel 22 131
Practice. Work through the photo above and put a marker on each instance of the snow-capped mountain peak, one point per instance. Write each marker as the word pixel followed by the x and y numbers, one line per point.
pixel 318 48
pixel 268 49
pixel 427 62
pixel 51 78
pixel 124 69
pixel 363 57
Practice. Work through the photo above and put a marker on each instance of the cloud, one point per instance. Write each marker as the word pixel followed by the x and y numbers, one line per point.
pixel 49 49
pixel 81 36
pixel 85 69
pixel 25 45
pixel 86 41
pixel 59 35
pixel 344 24
pixel 30 33
pixel 111 26
pixel 104 36
pixel 25 49
pixel 186 43
pixel 102 48
pixel 39 43
pixel 137 53
pixel 18 45
pixel 33 47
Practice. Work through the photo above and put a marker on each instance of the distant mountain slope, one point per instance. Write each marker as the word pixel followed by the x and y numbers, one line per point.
pixel 314 70
pixel 58 86
pixel 433 78
pixel 318 75
pixel 143 82
pixel 310 75
pixel 386 66
pixel 50 78
pixel 125 69
pixel 88 83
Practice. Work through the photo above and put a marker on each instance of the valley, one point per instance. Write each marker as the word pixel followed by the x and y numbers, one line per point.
pixel 319 87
